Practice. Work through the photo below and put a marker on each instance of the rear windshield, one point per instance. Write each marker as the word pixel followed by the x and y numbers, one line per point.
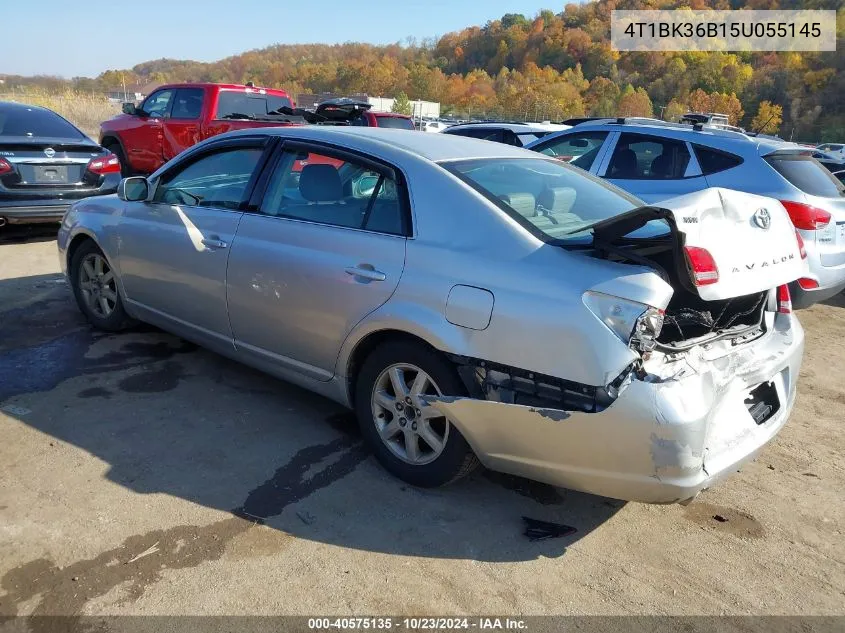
pixel 807 174
pixel 550 198
pixel 251 103
pixel 34 122
pixel 396 122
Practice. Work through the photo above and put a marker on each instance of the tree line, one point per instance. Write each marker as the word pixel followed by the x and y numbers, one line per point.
pixel 551 66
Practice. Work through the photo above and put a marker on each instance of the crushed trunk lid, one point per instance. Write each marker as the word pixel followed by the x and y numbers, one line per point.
pixel 750 238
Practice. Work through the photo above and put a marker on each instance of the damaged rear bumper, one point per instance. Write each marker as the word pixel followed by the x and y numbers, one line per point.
pixel 669 435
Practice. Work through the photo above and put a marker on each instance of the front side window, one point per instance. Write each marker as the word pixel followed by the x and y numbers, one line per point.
pixel 187 104
pixel 640 157
pixel 579 149
pixel 214 180
pixel 158 103
pixel 321 188
pixel 549 197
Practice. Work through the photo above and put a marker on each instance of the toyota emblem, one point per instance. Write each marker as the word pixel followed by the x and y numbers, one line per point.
pixel 49 152
pixel 762 218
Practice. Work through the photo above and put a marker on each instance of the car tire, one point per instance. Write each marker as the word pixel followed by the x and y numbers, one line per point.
pixel 432 467
pixel 117 150
pixel 96 289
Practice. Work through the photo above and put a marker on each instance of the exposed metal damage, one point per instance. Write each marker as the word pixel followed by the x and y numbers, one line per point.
pixel 668 427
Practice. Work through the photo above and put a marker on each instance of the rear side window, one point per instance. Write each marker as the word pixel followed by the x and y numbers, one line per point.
pixel 187 104
pixel 579 149
pixel 34 123
pixel 713 161
pixel 807 174
pixel 233 104
pixel 640 157
pixel 395 122
pixel 214 180
pixel 326 189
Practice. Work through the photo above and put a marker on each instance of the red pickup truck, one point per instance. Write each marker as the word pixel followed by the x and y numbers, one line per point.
pixel 176 116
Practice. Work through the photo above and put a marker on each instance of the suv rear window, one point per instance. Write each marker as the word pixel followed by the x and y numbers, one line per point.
pixel 807 174
pixel 34 122
pixel 252 103
pixel 396 122
pixel 713 161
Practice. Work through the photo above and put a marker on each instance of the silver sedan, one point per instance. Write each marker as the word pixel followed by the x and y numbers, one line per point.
pixel 469 300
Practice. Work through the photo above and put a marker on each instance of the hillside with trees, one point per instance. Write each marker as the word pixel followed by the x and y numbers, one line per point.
pixel 552 66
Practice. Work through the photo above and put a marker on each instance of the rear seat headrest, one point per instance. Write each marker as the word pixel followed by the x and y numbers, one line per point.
pixel 320 183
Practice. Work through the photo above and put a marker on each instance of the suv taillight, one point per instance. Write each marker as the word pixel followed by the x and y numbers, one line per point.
pixel 704 269
pixel 5 167
pixel 784 300
pixel 806 216
pixel 108 164
pixel 801 248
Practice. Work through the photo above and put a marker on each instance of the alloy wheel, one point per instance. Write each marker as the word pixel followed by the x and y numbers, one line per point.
pixel 98 286
pixel 413 431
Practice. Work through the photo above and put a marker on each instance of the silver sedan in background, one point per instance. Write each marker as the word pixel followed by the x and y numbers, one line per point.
pixel 469 300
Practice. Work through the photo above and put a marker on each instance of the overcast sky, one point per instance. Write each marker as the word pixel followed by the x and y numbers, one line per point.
pixel 57 37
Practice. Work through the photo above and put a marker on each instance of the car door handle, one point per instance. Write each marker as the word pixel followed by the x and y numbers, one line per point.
pixel 214 242
pixel 366 273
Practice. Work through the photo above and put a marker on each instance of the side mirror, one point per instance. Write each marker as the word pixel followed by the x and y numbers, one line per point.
pixel 135 189
pixel 579 142
pixel 130 108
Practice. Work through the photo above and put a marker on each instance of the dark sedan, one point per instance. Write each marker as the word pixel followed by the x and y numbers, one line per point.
pixel 46 163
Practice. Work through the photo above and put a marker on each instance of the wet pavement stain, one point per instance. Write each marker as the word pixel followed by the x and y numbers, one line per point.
pixel 154 379
pixel 95 392
pixel 141 559
pixel 724 519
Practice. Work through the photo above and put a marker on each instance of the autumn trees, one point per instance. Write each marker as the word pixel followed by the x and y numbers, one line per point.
pixel 552 66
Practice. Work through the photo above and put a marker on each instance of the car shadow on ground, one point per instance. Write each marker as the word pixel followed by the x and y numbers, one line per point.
pixel 837 301
pixel 28 233
pixel 171 418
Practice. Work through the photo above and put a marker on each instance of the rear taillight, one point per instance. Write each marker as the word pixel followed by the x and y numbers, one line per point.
pixel 808 284
pixel 801 248
pixel 806 216
pixel 5 167
pixel 704 269
pixel 784 300
pixel 108 164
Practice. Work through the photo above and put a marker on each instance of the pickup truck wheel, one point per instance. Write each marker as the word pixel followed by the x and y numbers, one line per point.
pixel 94 284
pixel 117 150
pixel 411 439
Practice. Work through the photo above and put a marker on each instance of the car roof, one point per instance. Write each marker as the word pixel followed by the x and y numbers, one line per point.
pixel 714 137
pixel 433 147
pixel 273 91
pixel 513 127
pixel 14 105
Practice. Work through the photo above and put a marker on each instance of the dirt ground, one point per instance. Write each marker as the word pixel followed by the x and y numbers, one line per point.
pixel 132 467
